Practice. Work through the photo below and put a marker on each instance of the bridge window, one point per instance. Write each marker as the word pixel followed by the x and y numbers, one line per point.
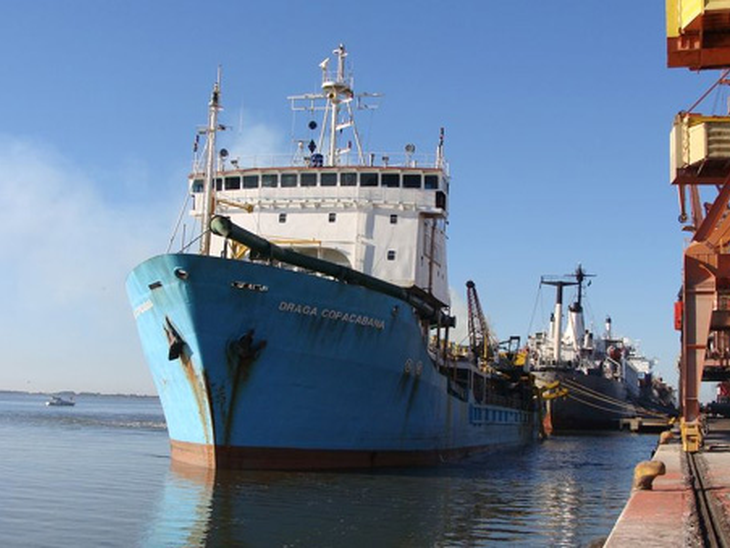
pixel 391 180
pixel 219 183
pixel 198 185
pixel 328 179
pixel 288 180
pixel 368 179
pixel 431 182
pixel 348 179
pixel 250 181
pixel 270 180
pixel 232 183
pixel 308 179
pixel 412 180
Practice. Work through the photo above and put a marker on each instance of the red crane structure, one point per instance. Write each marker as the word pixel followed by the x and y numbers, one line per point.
pixel 698 38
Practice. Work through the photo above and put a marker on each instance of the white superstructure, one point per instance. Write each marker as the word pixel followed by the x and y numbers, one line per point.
pixel 575 347
pixel 370 213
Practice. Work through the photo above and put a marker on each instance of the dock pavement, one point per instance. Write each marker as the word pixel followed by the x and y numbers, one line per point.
pixel 689 503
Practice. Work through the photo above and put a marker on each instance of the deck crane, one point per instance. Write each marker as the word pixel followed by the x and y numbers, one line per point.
pixel 481 339
pixel 698 38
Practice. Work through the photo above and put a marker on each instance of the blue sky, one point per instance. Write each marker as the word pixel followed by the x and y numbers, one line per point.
pixel 557 116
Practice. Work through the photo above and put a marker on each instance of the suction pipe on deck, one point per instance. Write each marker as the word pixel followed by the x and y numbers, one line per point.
pixel 222 226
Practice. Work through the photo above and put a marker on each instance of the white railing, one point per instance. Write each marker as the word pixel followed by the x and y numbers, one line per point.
pixel 400 160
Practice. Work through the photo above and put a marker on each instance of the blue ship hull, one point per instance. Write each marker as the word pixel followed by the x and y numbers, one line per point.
pixel 262 367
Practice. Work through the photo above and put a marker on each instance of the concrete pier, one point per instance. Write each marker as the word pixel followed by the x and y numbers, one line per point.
pixel 643 424
pixel 671 513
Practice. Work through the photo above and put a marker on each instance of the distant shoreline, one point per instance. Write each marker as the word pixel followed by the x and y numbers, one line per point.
pixel 76 394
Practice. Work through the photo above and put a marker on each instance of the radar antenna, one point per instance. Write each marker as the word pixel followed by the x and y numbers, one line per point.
pixel 337 111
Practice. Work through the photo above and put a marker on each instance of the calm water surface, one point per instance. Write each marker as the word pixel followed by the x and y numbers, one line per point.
pixel 98 474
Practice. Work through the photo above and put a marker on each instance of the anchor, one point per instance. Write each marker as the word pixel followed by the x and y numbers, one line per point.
pixel 174 340
pixel 245 349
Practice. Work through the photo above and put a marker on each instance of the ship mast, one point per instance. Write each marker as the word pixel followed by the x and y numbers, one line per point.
pixel 575 308
pixel 209 182
pixel 338 92
pixel 558 315
pixel 338 102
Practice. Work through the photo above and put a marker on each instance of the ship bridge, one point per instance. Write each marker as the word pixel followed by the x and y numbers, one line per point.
pixel 385 221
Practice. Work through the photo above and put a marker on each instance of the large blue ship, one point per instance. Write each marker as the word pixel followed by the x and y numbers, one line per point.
pixel 309 328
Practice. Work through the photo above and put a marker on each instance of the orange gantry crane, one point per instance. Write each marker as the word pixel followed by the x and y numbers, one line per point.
pixel 698 38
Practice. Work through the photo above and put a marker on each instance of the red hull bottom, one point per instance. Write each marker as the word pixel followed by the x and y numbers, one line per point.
pixel 267 458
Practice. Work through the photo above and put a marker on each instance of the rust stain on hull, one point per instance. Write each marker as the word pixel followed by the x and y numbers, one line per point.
pixel 180 350
pixel 201 396
pixel 241 354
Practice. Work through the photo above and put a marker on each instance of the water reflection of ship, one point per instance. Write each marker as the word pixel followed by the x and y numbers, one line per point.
pixel 200 507
pixel 528 497
pixel 184 509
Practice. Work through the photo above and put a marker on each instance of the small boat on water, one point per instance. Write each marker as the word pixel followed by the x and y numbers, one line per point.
pixel 311 328
pixel 58 401
pixel 592 382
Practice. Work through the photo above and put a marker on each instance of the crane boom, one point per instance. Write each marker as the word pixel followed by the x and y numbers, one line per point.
pixel 480 336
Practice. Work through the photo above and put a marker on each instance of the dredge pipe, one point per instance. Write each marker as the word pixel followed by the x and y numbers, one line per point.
pixel 223 226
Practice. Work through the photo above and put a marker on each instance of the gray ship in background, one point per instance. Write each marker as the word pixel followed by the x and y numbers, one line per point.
pixel 590 382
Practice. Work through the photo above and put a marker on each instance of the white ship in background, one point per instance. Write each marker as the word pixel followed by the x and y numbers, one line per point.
pixel 597 380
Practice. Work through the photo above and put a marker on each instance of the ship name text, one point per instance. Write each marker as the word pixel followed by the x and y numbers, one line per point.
pixel 331 314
